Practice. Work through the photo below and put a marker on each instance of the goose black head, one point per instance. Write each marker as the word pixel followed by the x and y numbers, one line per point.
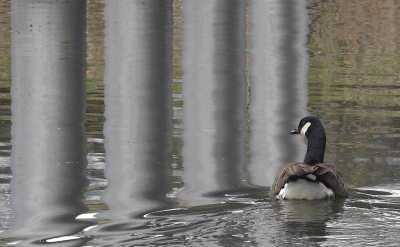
pixel 312 128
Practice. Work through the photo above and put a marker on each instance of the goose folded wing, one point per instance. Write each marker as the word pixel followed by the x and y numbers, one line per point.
pixel 332 178
pixel 287 171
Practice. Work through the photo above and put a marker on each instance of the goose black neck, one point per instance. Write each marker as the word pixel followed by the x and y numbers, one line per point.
pixel 316 147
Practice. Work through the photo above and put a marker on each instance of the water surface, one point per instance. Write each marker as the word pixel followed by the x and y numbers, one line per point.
pixel 188 108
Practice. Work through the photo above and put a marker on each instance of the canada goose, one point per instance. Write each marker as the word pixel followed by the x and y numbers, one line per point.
pixel 312 179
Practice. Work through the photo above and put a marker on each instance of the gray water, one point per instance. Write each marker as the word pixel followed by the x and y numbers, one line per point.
pixel 145 123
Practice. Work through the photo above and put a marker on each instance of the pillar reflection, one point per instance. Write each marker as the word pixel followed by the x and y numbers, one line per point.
pixel 138 111
pixel 214 91
pixel 278 72
pixel 48 158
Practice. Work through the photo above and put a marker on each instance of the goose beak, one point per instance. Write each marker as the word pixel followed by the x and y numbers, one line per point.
pixel 296 131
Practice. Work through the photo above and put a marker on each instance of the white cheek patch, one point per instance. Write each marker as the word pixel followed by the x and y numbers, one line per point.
pixel 305 128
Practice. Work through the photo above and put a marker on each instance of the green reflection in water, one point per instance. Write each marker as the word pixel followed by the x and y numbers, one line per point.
pixel 354 87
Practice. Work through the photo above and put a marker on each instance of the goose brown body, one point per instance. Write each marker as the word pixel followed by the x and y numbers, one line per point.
pixel 312 170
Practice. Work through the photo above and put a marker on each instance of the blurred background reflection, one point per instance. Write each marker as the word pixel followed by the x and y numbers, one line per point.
pixel 278 74
pixel 214 91
pixel 48 91
pixel 138 111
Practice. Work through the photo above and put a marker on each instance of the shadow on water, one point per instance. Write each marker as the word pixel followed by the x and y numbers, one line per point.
pixel 48 158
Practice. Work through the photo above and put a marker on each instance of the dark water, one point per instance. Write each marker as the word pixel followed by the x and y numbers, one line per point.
pixel 145 123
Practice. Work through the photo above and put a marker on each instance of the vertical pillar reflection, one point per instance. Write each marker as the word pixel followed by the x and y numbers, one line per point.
pixel 48 158
pixel 214 92
pixel 278 72
pixel 138 110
